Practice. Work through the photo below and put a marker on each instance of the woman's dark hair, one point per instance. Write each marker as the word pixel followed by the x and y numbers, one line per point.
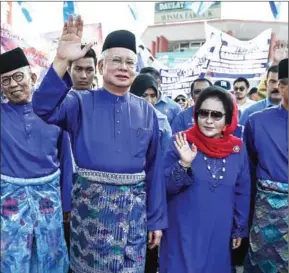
pixel 223 95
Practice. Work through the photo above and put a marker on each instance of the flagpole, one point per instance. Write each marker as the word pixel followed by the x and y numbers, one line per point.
pixel 9 14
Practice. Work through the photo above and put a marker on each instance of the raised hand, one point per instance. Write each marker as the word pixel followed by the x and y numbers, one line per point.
pixel 187 154
pixel 69 48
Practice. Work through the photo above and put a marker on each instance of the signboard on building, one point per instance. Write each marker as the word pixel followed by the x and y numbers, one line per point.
pixel 169 12
pixel 173 59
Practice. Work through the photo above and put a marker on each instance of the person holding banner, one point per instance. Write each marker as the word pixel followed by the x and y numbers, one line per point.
pixel 119 195
pixel 267 143
pixel 273 96
pixel 208 186
pixel 36 177
pixel 164 104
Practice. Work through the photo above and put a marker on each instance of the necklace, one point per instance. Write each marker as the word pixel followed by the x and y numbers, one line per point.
pixel 213 183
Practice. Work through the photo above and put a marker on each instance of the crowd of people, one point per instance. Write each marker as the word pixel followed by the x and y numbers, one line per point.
pixel 122 179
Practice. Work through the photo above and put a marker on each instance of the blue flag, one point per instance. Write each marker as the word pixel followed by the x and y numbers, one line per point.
pixel 24 8
pixel 132 8
pixel 68 9
pixel 204 6
pixel 275 8
pixel 199 8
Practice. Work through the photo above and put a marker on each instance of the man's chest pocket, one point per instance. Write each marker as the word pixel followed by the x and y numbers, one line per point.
pixel 140 140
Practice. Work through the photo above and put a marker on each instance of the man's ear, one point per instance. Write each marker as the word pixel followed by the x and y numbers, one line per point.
pixel 33 78
pixel 69 68
pixel 100 67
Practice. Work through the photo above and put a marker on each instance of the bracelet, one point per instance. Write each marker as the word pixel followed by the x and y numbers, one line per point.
pixel 184 165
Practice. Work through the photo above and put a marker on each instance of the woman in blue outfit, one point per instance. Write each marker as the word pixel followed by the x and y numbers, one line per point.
pixel 208 187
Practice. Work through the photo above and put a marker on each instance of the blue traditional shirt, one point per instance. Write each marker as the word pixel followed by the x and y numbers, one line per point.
pixel 30 148
pixel 184 120
pixel 109 133
pixel 266 135
pixel 168 107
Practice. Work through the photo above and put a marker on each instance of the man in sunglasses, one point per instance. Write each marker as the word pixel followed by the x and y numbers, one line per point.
pixel 33 192
pixel 267 143
pixel 184 119
pixel 273 95
pixel 241 90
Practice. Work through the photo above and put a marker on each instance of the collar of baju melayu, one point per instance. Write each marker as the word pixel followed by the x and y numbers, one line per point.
pixel 162 98
pixel 283 110
pixel 20 108
pixel 109 97
pixel 268 102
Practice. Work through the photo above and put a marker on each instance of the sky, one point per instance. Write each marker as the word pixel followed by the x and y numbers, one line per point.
pixel 116 15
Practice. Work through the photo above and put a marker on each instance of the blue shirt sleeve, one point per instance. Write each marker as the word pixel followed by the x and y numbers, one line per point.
pixel 177 110
pixel 242 199
pixel 166 134
pixel 178 123
pixel 66 169
pixel 176 177
pixel 249 137
pixel 53 102
pixel 155 184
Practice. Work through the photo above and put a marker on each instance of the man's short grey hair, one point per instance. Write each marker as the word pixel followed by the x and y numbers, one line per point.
pixel 103 54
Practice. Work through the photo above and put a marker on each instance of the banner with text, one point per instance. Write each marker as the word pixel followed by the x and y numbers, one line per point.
pixel 221 57
pixel 233 58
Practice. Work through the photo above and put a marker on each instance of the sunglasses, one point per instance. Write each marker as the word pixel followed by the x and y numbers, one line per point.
pixel 239 88
pixel 180 100
pixel 197 92
pixel 215 115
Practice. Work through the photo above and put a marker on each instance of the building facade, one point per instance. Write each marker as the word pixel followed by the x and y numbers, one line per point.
pixel 178 32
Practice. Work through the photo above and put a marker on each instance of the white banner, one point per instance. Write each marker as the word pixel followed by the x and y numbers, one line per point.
pixel 233 58
pixel 145 58
pixel 222 57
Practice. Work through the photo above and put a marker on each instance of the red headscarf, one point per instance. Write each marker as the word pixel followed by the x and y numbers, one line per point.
pixel 213 147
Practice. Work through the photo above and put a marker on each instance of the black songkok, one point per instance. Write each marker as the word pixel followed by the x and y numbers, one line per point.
pixel 12 60
pixel 283 69
pixel 120 38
